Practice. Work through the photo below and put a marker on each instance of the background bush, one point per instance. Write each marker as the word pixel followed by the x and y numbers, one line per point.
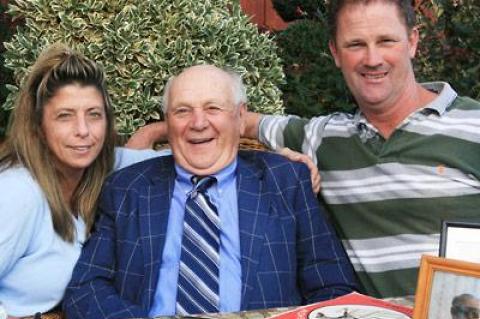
pixel 141 43
pixel 449 51
pixel 129 42
pixel 450 45
pixel 6 30
pixel 314 85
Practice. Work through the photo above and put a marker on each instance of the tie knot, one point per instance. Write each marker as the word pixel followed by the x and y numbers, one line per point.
pixel 201 183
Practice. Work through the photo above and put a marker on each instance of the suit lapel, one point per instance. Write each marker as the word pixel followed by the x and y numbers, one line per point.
pixel 154 208
pixel 253 211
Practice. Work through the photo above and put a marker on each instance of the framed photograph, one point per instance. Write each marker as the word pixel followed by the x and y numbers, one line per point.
pixel 447 289
pixel 460 239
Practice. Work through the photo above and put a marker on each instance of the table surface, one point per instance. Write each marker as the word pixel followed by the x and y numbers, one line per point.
pixel 252 314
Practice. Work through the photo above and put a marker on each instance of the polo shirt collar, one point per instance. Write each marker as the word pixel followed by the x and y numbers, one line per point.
pixel 446 96
pixel 223 176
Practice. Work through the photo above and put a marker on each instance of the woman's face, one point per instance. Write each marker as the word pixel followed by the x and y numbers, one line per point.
pixel 74 123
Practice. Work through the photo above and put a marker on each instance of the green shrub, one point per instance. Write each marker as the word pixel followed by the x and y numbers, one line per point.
pixel 291 10
pixel 6 30
pixel 450 45
pixel 314 84
pixel 141 43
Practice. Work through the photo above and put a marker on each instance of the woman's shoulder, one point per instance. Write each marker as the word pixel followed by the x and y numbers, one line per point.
pixel 22 208
pixel 19 188
pixel 16 175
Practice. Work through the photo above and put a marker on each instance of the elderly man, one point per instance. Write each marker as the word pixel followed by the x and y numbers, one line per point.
pixel 211 228
pixel 465 306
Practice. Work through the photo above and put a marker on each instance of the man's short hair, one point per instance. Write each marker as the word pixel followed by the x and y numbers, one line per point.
pixel 405 9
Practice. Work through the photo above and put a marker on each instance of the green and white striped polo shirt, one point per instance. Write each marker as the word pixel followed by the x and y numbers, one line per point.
pixel 387 198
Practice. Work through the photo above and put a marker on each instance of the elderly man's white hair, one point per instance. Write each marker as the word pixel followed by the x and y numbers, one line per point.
pixel 239 90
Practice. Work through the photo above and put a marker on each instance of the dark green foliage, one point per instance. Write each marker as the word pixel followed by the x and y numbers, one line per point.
pixel 291 10
pixel 450 46
pixel 6 30
pixel 314 84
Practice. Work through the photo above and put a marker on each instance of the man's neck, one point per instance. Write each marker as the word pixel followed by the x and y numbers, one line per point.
pixel 387 119
pixel 225 173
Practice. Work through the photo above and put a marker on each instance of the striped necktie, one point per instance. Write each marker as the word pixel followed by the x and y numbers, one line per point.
pixel 199 259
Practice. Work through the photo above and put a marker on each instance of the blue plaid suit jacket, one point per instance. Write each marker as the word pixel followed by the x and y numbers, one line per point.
pixel 289 255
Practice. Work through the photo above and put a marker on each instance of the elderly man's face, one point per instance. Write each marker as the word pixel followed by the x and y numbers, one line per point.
pixel 373 49
pixel 470 309
pixel 204 124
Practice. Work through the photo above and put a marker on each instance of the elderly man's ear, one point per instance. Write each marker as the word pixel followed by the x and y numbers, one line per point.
pixel 242 114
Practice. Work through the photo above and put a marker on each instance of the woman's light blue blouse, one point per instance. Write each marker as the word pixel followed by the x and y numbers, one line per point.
pixel 35 263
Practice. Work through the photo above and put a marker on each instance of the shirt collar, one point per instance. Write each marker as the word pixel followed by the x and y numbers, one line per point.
pixel 446 96
pixel 225 175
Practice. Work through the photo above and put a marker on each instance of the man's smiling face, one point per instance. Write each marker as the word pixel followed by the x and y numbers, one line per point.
pixel 373 47
pixel 204 121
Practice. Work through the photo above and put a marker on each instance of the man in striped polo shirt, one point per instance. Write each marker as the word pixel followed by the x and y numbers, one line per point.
pixel 407 159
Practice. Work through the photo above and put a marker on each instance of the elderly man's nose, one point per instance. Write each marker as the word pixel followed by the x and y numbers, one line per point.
pixel 199 119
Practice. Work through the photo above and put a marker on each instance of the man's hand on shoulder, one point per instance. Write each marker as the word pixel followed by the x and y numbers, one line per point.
pixel 146 136
pixel 299 157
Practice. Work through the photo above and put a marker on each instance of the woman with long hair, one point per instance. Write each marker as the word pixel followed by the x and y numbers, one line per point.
pixel 58 151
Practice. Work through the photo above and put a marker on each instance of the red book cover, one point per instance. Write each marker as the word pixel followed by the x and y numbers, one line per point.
pixel 351 306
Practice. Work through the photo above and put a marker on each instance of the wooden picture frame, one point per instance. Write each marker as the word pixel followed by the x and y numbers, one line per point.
pixel 460 239
pixel 439 281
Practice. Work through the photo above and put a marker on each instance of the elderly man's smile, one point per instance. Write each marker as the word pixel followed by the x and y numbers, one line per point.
pixel 202 140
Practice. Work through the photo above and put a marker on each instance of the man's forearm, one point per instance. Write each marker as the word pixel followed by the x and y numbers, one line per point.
pixel 252 121
pixel 148 135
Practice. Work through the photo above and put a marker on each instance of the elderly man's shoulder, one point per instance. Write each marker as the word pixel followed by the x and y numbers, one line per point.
pixel 274 163
pixel 143 172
